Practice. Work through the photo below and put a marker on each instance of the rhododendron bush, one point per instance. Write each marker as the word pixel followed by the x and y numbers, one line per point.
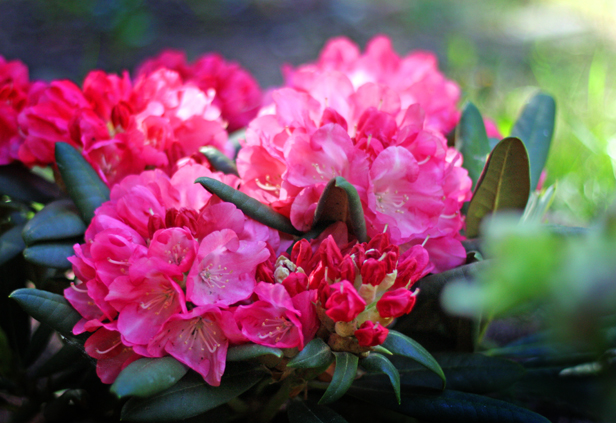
pixel 199 275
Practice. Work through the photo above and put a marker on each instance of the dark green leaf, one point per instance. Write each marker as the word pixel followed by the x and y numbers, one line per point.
pixel 401 344
pixel 20 184
pixel 315 354
pixel 248 351
pixel 50 254
pixel 251 207
pixel 66 357
pixel 58 220
pixel 59 409
pixel 535 128
pixel 308 412
pixel 344 375
pixel 376 363
pixel 504 184
pixel 356 212
pixel 148 376
pixel 449 406
pixel 11 244
pixel 38 343
pixel 192 396
pixel 218 160
pixel 82 182
pixel 6 359
pixel 49 308
pixel 472 141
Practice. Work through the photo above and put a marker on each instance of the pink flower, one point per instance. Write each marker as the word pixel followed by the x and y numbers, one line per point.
pixel 14 87
pixel 344 303
pixel 396 303
pixel 111 354
pixel 371 334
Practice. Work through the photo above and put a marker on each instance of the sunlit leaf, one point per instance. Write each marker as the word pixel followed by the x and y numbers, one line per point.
pixel 50 254
pixel 315 354
pixel 344 374
pixel 11 244
pixel 148 376
pixel 58 220
pixel 308 412
pixel 472 141
pixel 376 363
pixel 248 351
pixel 218 160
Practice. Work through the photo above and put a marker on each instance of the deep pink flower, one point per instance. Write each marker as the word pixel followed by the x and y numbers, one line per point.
pixel 371 334
pixel 14 87
pixel 344 303
pixel 396 303
pixel 111 354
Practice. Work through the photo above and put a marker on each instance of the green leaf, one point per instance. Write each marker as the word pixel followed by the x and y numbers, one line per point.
pixel 376 363
pixel 65 358
pixel 19 183
pixel 192 396
pixel 472 141
pixel 148 376
pixel 344 375
pixel 218 160
pixel 38 343
pixel 248 351
pixel 82 182
pixel 535 127
pixel 50 254
pixel 309 412
pixel 449 406
pixel 58 220
pixel 538 204
pixel 251 207
pixel 11 244
pixel 46 307
pixel 401 344
pixel 315 354
pixel 504 184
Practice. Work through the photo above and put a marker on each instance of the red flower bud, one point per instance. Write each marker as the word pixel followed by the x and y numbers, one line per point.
pixel 344 303
pixel 396 303
pixel 373 271
pixel 370 334
pixel 120 115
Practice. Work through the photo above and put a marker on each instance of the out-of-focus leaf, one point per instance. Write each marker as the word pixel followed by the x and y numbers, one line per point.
pixel 192 396
pixel 38 343
pixel 251 207
pixel 308 412
pixel 58 220
pixel 315 354
pixel 401 344
pixel 234 140
pixel 13 319
pixel 538 204
pixel 503 185
pixel 535 128
pixel 83 184
pixel 6 355
pixel 344 375
pixel 20 184
pixel 59 409
pixel 376 363
pixel 50 254
pixel 66 357
pixel 472 141
pixel 218 160
pixel 11 244
pixel 148 376
pixel 46 307
pixel 248 351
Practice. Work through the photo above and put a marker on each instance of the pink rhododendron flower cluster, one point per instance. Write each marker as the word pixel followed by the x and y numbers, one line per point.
pixel 14 88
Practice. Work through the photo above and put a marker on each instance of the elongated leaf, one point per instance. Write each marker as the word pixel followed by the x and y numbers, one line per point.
pixel 401 344
pixel 472 141
pixel 315 354
pixel 308 412
pixel 46 307
pixel 84 186
pixel 58 220
pixel 192 396
pixel 449 406
pixel 218 160
pixel 66 357
pixel 20 184
pixel 148 376
pixel 251 207
pixel 376 363
pixel 11 244
pixel 356 212
pixel 344 375
pixel 248 351
pixel 535 127
pixel 504 184
pixel 50 254
pixel 538 204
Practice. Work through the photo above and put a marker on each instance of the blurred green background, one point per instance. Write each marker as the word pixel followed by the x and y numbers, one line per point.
pixel 499 51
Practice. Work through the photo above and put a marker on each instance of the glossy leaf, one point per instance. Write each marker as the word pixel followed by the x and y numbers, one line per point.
pixel 376 363
pixel 472 141
pixel 251 207
pixel 19 183
pixel 401 344
pixel 50 254
pixel 192 396
pixel 148 376
pixel 248 351
pixel 66 357
pixel 315 354
pixel 308 412
pixel 344 375
pixel 535 127
pixel 11 244
pixel 83 184
pixel 449 406
pixel 218 160
pixel 46 307
pixel 504 184
pixel 58 220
